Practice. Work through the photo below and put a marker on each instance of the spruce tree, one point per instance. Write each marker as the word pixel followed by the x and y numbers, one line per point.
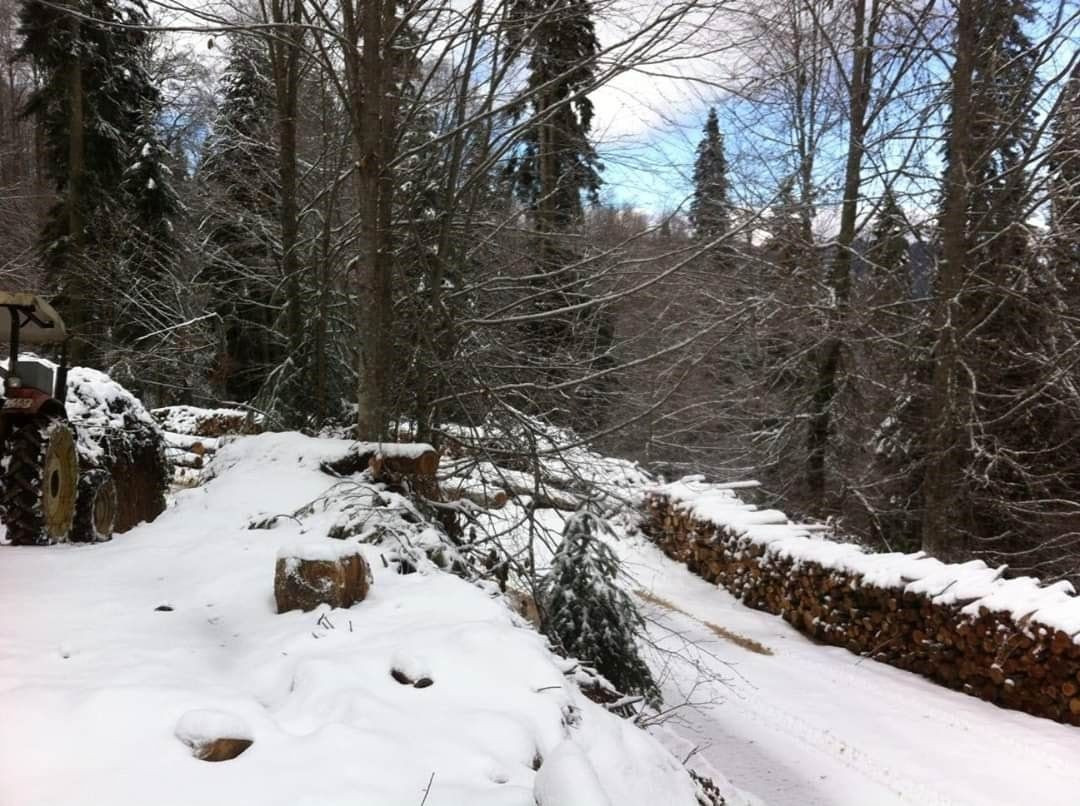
pixel 91 103
pixel 587 616
pixel 887 250
pixel 1001 448
pixel 710 211
pixel 557 162
pixel 552 170
pixel 240 226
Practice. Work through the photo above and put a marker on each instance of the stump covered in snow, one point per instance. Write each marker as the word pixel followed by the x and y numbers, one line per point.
pixel 325 572
pixel 214 735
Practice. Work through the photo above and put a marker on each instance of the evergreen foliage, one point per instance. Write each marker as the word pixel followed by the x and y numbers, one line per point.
pixel 710 211
pixel 98 110
pixel 240 226
pixel 887 251
pixel 557 162
pixel 73 53
pixel 586 615
pixel 552 168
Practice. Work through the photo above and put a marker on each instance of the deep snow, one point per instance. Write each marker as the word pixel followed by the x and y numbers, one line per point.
pixel 108 651
pixel 101 693
pixel 813 725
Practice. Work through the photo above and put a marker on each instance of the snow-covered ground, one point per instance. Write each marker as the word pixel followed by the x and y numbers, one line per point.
pixel 812 725
pixel 115 656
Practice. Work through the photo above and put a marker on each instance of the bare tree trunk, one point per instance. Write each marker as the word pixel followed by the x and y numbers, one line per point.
pixel 285 52
pixel 76 304
pixel 944 462
pixel 372 111
pixel 832 349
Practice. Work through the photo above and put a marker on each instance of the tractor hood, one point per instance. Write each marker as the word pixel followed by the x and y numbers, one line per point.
pixel 39 323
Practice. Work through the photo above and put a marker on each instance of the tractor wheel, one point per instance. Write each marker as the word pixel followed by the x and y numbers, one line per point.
pixel 40 482
pixel 95 511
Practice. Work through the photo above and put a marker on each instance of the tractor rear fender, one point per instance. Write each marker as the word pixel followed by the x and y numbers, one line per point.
pixel 27 401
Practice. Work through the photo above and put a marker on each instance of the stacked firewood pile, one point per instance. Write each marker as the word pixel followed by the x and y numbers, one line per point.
pixel 1014 662
pixel 193 435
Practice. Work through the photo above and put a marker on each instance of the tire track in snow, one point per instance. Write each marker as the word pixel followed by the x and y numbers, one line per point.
pixel 1040 753
pixel 819 740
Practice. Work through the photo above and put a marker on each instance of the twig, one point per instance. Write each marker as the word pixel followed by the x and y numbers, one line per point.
pixel 428 790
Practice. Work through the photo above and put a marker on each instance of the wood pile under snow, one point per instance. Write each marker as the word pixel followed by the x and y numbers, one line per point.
pixel 1014 642
pixel 193 435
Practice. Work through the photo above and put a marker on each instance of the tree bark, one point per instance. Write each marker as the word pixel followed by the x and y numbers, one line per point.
pixel 944 465
pixel 75 306
pixel 832 349
pixel 285 53
pixel 371 109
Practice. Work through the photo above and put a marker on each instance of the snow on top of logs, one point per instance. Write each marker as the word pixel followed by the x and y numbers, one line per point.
pixel 408 458
pixel 394 450
pixel 970 586
pixel 324 550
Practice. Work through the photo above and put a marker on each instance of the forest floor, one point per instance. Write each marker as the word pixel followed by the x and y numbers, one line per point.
pixel 799 723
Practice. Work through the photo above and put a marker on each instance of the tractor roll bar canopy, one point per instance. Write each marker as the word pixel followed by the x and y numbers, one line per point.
pixel 36 320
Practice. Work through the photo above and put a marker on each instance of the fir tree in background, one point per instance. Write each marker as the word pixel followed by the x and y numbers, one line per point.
pixel 1003 456
pixel 91 103
pixel 587 616
pixel 558 162
pixel 1065 185
pixel 240 223
pixel 887 251
pixel 148 185
pixel 553 168
pixel 710 212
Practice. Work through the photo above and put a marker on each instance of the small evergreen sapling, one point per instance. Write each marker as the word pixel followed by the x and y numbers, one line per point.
pixel 587 616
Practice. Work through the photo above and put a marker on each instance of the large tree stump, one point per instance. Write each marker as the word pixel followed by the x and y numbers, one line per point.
pixel 324 572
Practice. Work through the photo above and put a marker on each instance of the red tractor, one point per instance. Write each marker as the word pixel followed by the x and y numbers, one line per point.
pixel 44 498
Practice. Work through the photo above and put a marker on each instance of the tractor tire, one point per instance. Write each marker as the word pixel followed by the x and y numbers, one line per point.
pixel 40 483
pixel 95 510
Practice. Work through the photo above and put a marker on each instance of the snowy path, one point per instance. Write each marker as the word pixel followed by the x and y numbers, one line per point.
pixel 816 726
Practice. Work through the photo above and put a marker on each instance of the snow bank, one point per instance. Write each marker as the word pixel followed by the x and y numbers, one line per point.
pixel 95 679
pixel 972 585
pixel 568 779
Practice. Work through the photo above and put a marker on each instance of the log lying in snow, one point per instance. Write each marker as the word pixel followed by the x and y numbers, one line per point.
pixel 939 622
pixel 195 421
pixel 401 458
pixel 490 486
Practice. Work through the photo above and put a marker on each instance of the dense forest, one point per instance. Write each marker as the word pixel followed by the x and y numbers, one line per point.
pixel 393 214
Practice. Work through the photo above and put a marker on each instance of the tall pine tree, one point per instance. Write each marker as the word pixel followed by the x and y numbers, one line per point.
pixel 95 104
pixel 554 167
pixel 557 162
pixel 710 211
pixel 240 225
